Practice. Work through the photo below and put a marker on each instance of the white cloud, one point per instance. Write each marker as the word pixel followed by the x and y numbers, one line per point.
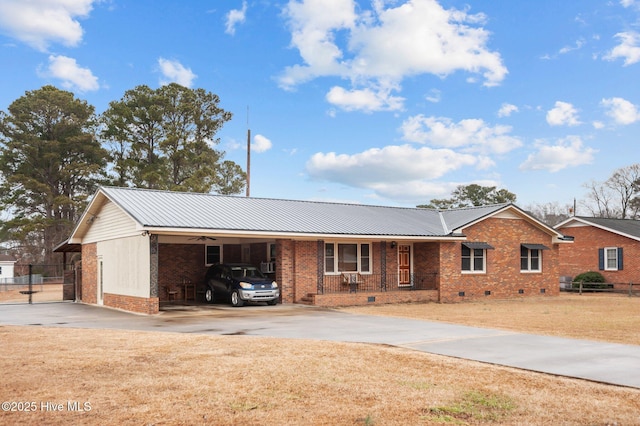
pixel 578 45
pixel 235 17
pixel 260 144
pixel 174 72
pixel 568 152
pixel 621 110
pixel 71 74
pixel 507 109
pixel 367 100
pixel 434 96
pixel 629 48
pixel 598 125
pixel 563 114
pixel 384 45
pixel 392 165
pixel 471 135
pixel 39 23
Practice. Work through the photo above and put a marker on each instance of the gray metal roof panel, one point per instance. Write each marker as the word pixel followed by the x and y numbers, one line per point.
pixel 629 227
pixel 153 208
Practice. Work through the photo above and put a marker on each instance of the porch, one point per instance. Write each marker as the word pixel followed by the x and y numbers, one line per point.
pixel 335 290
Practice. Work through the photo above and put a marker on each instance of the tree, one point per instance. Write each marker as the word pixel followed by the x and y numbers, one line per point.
pixel 51 162
pixel 551 213
pixel 618 196
pixel 472 195
pixel 231 180
pixel 164 138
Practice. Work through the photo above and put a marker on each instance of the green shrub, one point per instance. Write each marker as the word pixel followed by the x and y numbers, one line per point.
pixel 590 277
pixel 591 280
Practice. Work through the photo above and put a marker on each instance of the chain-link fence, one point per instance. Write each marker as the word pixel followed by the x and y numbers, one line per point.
pixel 38 283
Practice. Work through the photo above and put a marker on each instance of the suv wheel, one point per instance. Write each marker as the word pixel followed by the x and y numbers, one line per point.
pixel 208 295
pixel 235 299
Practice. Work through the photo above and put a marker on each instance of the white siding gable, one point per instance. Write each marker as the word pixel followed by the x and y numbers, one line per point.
pixel 110 222
pixel 507 214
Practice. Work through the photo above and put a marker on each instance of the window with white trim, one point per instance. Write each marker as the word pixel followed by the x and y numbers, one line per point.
pixel 347 257
pixel 473 259
pixel 213 255
pixel 610 258
pixel 474 256
pixel 530 258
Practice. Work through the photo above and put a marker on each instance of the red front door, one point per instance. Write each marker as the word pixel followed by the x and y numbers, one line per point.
pixel 404 265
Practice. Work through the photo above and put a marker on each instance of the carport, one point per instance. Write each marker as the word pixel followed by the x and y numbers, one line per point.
pixel 184 260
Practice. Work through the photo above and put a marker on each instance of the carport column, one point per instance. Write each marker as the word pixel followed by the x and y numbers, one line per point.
pixel 285 274
pixel 383 265
pixel 153 264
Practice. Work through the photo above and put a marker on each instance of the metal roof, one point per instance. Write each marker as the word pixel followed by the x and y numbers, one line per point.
pixel 185 210
pixel 626 227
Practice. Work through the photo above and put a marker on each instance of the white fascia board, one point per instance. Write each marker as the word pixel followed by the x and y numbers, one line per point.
pixel 292 235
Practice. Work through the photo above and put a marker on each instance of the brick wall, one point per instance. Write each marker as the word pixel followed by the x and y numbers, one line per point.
pixel 258 254
pixel 89 291
pixel 582 255
pixel 178 261
pixel 141 305
pixel 305 268
pixel 232 253
pixel 358 299
pixel 285 272
pixel 503 278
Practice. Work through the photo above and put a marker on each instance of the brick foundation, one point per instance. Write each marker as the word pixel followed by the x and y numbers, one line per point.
pixel 358 299
pixel 149 306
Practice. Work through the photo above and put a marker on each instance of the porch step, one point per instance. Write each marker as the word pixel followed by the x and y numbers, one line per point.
pixel 309 299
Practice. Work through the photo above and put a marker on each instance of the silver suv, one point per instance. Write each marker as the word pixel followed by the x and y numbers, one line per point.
pixel 239 283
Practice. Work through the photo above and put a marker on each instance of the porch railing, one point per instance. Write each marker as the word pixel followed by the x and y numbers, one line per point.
pixel 378 282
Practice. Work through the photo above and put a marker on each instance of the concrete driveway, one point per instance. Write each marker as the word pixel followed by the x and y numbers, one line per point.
pixel 602 362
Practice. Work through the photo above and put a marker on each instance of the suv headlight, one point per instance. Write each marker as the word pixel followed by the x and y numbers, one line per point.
pixel 246 286
pixel 274 284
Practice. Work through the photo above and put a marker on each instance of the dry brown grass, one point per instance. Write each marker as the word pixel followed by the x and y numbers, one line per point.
pixel 152 378
pixel 164 379
pixel 43 293
pixel 606 317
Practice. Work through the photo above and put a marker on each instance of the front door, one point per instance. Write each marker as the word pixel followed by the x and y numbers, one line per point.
pixel 404 265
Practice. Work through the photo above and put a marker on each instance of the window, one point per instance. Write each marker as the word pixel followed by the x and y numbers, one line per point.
pixel 474 256
pixel 365 259
pixel 473 260
pixel 348 257
pixel 610 259
pixel 531 257
pixel 213 255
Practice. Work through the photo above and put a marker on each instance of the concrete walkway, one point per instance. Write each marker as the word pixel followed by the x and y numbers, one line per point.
pixel 602 362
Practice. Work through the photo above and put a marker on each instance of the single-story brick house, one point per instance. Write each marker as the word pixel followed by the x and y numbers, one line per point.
pixel 609 246
pixel 140 247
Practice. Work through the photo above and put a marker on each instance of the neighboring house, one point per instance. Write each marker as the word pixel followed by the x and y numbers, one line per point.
pixel 7 265
pixel 142 247
pixel 609 246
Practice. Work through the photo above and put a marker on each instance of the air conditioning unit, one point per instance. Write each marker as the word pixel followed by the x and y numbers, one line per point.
pixel 268 267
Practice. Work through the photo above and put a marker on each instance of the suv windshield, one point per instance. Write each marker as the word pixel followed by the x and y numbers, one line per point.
pixel 246 271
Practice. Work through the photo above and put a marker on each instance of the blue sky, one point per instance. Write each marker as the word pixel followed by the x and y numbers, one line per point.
pixel 389 102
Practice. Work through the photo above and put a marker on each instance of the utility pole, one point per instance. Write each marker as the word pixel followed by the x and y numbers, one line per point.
pixel 248 156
